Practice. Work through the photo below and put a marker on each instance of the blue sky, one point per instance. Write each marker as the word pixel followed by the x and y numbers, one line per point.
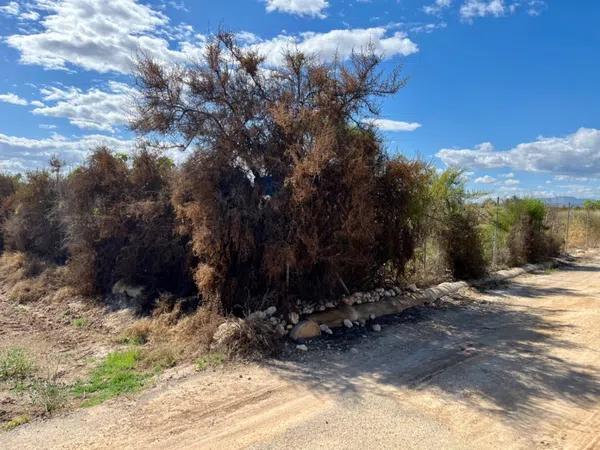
pixel 506 89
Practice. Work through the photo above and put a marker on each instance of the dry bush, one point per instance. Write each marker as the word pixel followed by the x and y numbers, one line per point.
pixel 35 226
pixel 284 196
pixel 8 187
pixel 462 246
pixel 529 240
pixel 121 226
pixel 26 278
pixel 247 339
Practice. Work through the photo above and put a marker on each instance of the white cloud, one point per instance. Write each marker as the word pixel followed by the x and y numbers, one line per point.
pixel 508 175
pixel 576 154
pixel 485 180
pixel 340 43
pixel 19 154
pixel 437 7
pixel 13 99
pixel 393 125
pixel 98 35
pixel 511 182
pixel 12 9
pixel 481 8
pixel 93 109
pixel 299 7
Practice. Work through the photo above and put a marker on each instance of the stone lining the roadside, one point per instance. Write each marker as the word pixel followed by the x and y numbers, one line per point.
pixel 336 317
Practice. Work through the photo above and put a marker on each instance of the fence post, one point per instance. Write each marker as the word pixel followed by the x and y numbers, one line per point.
pixel 495 238
pixel 567 231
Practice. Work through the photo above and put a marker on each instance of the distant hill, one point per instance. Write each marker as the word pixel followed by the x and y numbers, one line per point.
pixel 564 201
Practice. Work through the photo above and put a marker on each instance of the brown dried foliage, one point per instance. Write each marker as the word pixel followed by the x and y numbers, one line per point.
pixel 121 225
pixel 288 194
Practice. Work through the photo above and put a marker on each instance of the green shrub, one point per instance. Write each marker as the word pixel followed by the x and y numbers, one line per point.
pixel 15 364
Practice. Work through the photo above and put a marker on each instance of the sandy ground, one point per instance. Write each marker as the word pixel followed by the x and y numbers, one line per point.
pixel 513 367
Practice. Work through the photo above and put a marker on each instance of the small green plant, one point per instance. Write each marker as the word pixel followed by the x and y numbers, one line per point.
pixel 212 359
pixel 80 322
pixel 15 364
pixel 15 422
pixel 116 375
pixel 48 395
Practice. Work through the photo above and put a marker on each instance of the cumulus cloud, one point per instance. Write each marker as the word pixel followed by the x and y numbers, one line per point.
pixel 340 43
pixel 98 35
pixel 437 7
pixel 393 125
pixel 485 180
pixel 313 8
pixel 12 9
pixel 93 109
pixel 13 99
pixel 577 154
pixel 19 154
pixel 481 8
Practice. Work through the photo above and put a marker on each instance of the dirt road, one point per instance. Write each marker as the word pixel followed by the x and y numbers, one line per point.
pixel 514 367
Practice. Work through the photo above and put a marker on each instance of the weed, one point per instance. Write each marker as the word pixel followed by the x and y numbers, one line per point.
pixel 210 360
pixel 160 358
pixel 48 395
pixel 15 422
pixel 15 364
pixel 116 375
pixel 80 322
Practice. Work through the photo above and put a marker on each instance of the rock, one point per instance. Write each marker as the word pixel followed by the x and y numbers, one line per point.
pixel 322 308
pixel 294 317
pixel 257 315
pixel 380 291
pixel 271 310
pixel 302 347
pixel 325 329
pixel 329 305
pixel 274 320
pixel 356 322
pixel 376 327
pixel 120 287
pixel 348 301
pixel 354 350
pixel 361 323
pixel 372 317
pixel 307 329
pixel 348 323
pixel 289 326
pixel 412 288
pixel 280 329
pixel 225 331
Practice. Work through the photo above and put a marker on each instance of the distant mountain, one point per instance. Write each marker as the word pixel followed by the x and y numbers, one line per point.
pixel 564 201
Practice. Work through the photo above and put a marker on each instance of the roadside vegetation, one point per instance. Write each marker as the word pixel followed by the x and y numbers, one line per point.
pixel 288 196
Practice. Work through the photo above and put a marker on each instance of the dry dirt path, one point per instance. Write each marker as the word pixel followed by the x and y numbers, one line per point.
pixel 513 367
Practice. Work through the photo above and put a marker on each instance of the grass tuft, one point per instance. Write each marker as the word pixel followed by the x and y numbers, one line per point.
pixel 116 375
pixel 15 422
pixel 210 360
pixel 15 364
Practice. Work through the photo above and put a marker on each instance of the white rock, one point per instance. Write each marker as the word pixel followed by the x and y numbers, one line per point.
pixel 294 317
pixel 376 327
pixel 329 305
pixel 289 326
pixel 322 308
pixel 372 317
pixel 274 320
pixel 302 347
pixel 353 350
pixel 325 329
pixel 412 287
pixel 271 310
pixel 257 315
pixel 348 323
